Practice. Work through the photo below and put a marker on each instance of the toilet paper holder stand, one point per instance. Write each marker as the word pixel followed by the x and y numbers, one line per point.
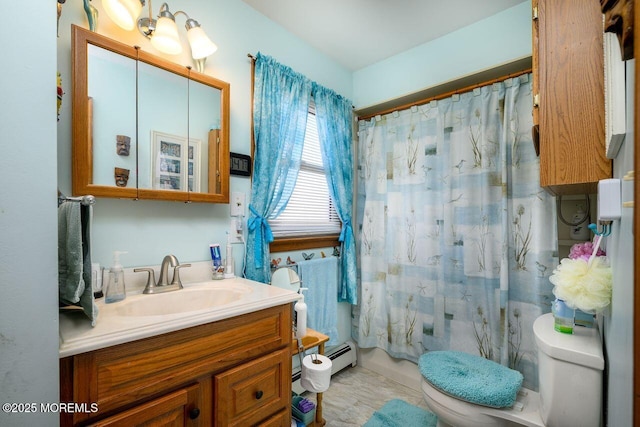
pixel 300 346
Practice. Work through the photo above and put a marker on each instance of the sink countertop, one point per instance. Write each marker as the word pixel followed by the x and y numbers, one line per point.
pixel 77 336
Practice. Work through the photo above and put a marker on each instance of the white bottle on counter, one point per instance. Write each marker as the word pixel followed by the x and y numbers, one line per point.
pixel 300 308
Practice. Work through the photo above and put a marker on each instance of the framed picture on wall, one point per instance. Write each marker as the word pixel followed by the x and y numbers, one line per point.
pixel 175 164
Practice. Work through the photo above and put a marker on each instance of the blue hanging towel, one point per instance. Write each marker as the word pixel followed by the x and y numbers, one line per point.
pixel 320 276
pixel 74 258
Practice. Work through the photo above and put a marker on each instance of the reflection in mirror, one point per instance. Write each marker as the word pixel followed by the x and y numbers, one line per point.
pixel 162 128
pixel 204 127
pixel 286 278
pixel 111 86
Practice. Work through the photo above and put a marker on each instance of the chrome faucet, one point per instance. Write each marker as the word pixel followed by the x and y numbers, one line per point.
pixel 169 259
pixel 163 284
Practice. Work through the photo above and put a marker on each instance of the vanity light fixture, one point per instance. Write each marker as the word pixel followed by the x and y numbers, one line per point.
pixel 162 32
pixel 123 12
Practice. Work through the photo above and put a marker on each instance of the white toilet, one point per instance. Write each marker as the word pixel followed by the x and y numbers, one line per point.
pixel 570 381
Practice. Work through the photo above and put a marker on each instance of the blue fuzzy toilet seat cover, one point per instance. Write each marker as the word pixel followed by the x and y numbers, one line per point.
pixel 473 379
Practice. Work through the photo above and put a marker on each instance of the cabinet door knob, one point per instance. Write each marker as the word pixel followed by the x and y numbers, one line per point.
pixel 194 413
pixel 259 394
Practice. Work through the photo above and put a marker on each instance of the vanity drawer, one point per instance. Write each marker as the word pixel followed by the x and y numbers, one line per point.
pixel 281 419
pixel 245 395
pixel 175 409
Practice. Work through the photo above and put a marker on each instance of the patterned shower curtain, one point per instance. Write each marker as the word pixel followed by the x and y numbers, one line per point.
pixel 456 238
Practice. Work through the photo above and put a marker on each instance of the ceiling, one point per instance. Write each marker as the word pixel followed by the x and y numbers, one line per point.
pixel 358 33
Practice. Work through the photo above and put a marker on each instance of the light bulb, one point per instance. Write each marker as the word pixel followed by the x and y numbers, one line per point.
pixel 123 12
pixel 165 37
pixel 201 44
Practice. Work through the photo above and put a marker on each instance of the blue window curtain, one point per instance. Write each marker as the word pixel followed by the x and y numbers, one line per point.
pixel 280 105
pixel 334 120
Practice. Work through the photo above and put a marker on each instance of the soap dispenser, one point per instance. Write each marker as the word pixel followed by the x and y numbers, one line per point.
pixel 300 309
pixel 115 285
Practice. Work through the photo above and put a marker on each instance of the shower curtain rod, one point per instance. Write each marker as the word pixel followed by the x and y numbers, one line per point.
pixel 445 94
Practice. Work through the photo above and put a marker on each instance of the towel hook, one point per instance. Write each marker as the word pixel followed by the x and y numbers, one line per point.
pixel 606 228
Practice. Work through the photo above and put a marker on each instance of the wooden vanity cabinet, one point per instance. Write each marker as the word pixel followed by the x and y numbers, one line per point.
pixel 568 91
pixel 234 372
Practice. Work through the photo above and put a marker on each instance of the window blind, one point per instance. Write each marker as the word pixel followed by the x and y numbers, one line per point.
pixel 310 209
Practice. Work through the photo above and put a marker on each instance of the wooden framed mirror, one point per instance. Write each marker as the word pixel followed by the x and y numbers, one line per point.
pixel 144 127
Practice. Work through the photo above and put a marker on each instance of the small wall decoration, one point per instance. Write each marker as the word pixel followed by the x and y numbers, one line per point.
pixel 121 176
pixel 59 91
pixel 240 164
pixel 275 263
pixel 60 3
pixel 175 164
pixel 123 145
pixel 92 15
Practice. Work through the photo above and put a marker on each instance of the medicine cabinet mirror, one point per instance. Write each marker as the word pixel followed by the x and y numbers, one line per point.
pixel 144 127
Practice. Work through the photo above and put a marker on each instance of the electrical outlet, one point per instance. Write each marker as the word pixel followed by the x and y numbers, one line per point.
pixel 236 204
pixel 236 230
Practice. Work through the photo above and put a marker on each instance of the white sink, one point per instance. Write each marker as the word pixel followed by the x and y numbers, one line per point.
pixel 182 301
pixel 142 316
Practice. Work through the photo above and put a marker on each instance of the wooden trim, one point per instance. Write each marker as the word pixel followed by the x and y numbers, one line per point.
pixel 82 153
pixel 459 86
pixel 164 64
pixel 535 83
pixel 221 194
pixel 214 144
pixel 636 227
pixel 307 242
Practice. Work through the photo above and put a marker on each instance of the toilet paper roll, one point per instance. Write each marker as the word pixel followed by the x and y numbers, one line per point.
pixel 316 373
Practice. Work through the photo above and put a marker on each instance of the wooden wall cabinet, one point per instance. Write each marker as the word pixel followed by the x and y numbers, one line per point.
pixel 234 372
pixel 568 91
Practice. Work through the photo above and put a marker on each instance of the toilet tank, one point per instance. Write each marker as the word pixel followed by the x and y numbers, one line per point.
pixel 570 374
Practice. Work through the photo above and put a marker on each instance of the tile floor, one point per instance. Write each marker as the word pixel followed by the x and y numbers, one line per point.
pixel 355 393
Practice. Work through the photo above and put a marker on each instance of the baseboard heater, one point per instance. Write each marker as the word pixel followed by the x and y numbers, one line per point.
pixel 341 356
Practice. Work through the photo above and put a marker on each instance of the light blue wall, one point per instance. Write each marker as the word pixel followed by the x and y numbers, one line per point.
pixel 148 230
pixel 28 220
pixel 493 41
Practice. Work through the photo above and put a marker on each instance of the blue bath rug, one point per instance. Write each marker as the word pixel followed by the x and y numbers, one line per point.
pixel 398 413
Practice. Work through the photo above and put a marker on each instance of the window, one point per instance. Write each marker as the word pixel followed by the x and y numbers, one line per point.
pixel 310 210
